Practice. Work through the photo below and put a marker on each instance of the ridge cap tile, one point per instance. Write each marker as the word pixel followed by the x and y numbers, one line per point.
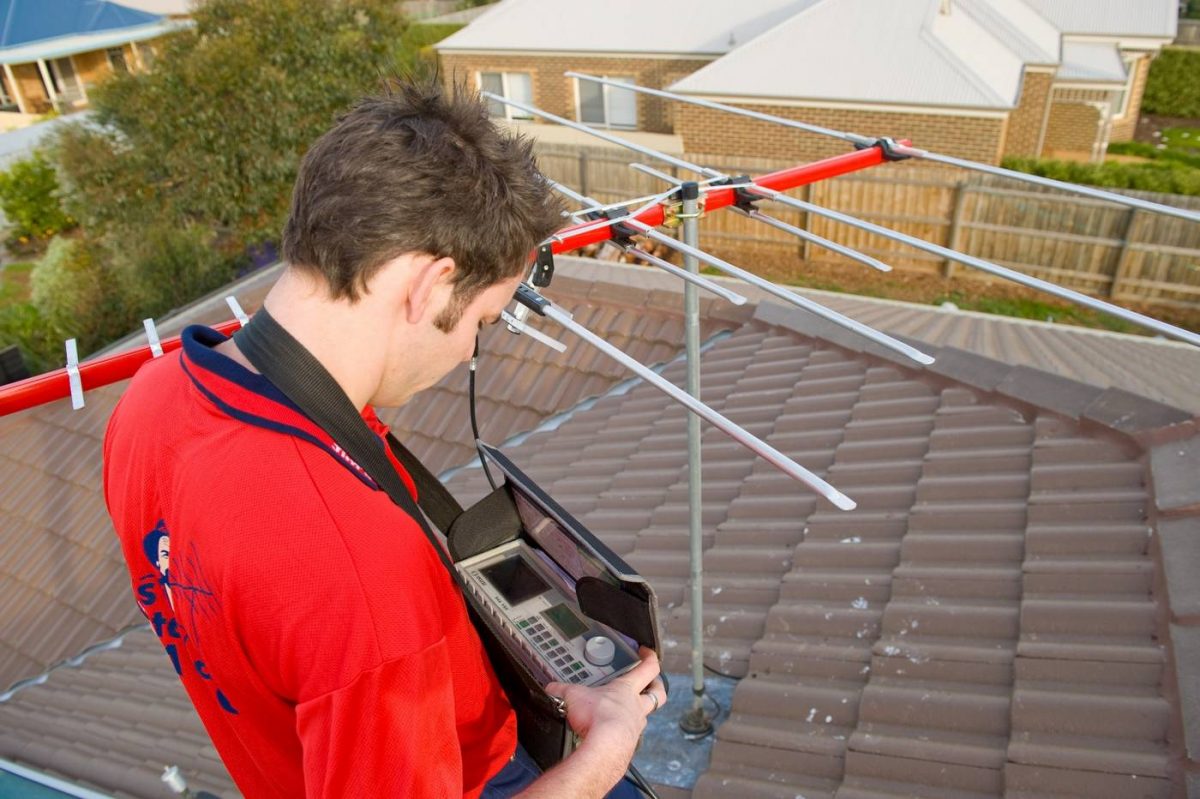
pixel 1132 413
pixel 1180 542
pixel 969 368
pixel 1186 641
pixel 1175 472
pixel 1050 391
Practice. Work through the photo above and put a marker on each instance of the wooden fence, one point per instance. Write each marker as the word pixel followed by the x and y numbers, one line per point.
pixel 1093 246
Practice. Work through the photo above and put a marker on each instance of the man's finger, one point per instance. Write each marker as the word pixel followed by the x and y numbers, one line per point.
pixel 643 673
pixel 655 696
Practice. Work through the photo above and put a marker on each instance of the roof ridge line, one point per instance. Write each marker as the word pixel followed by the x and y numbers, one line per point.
pixel 73 662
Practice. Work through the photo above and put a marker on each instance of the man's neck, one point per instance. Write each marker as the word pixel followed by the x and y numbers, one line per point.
pixel 338 336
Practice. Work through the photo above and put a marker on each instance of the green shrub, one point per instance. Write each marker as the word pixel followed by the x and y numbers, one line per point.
pixel 77 295
pixel 1165 176
pixel 29 197
pixel 170 267
pixel 21 324
pixel 1173 88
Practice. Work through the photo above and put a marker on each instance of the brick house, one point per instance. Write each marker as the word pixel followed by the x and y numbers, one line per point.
pixel 982 79
pixel 52 50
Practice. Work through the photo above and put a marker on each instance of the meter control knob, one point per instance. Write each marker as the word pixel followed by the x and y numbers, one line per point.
pixel 599 651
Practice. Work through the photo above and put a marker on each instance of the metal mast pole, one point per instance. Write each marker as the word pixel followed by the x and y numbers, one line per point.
pixel 695 721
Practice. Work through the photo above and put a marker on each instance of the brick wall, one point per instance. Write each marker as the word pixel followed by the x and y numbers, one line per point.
pixel 1025 123
pixel 29 84
pixel 1072 130
pixel 1123 128
pixel 554 92
pixel 707 131
pixel 92 67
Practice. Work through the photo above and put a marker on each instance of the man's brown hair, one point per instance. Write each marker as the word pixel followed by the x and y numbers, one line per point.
pixel 418 169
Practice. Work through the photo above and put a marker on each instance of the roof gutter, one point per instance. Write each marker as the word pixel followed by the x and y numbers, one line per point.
pixel 63 46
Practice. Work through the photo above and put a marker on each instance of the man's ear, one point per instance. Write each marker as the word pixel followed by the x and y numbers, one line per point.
pixel 433 278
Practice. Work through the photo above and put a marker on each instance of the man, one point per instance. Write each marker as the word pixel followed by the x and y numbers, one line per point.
pixel 322 641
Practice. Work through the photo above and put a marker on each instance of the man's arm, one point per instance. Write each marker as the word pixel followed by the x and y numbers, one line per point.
pixel 610 719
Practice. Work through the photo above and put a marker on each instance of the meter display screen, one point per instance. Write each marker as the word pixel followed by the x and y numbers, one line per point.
pixel 566 621
pixel 515 580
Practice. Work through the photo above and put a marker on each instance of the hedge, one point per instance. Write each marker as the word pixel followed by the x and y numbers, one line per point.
pixel 1166 177
pixel 1173 88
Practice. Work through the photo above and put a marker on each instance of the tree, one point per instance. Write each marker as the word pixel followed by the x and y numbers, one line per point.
pixel 214 134
pixel 181 169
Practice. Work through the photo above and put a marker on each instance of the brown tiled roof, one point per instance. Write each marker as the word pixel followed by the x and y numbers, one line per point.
pixel 986 622
pixel 113 724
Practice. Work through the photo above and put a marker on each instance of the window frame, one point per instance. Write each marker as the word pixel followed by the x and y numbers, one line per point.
pixel 1132 66
pixel 108 56
pixel 510 113
pixel 605 90
pixel 60 81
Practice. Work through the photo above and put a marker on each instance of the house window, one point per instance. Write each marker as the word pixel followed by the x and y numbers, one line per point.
pixel 1126 95
pixel 64 80
pixel 116 59
pixel 606 106
pixel 511 85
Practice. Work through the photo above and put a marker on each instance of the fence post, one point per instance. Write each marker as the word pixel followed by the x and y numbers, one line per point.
pixel 1122 271
pixel 955 235
pixel 583 172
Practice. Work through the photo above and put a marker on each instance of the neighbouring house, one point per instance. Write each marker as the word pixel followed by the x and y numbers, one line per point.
pixel 53 50
pixel 983 79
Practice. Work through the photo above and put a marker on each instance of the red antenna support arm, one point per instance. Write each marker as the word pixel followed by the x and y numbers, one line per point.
pixel 55 384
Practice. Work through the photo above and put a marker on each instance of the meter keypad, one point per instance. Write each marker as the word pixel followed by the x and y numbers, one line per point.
pixel 545 640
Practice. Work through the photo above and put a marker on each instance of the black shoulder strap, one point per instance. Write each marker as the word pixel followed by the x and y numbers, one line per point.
pixel 302 379
pixel 435 499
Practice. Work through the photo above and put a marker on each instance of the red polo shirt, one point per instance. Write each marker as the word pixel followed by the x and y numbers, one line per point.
pixel 319 636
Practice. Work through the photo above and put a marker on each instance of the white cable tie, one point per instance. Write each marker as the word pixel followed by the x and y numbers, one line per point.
pixel 73 374
pixel 517 326
pixel 152 336
pixel 173 777
pixel 238 313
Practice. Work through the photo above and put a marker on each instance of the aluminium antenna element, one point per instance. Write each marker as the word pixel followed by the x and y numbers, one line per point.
pixel 544 307
pixel 986 266
pixel 900 150
pixel 790 297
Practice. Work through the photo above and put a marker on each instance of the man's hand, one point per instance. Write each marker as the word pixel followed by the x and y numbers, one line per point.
pixel 618 708
pixel 610 719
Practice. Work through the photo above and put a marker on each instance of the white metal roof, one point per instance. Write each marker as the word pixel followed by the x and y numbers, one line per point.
pixel 909 54
pixel 1152 18
pixel 1021 29
pixel 1092 61
pixel 621 26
